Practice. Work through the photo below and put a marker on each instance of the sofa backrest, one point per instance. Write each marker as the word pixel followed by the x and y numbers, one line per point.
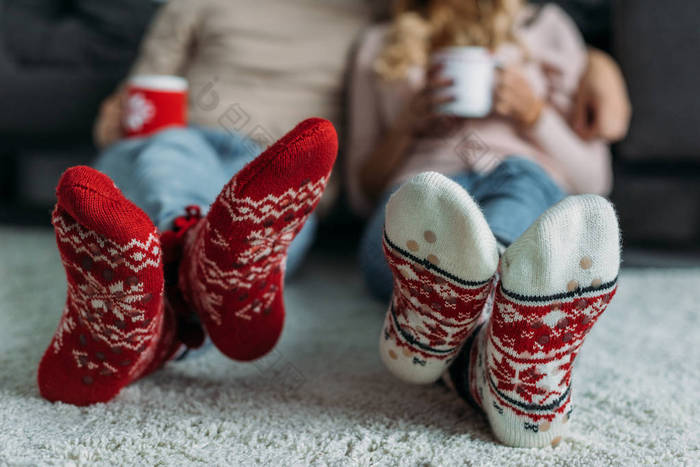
pixel 658 46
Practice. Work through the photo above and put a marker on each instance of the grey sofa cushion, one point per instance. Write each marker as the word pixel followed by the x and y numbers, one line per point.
pixel 656 44
pixel 660 209
pixel 74 34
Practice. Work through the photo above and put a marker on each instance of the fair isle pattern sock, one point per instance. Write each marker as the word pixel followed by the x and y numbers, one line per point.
pixel 113 318
pixel 232 272
pixel 443 258
pixel 556 281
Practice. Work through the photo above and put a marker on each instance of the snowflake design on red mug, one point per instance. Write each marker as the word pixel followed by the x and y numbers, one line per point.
pixel 139 111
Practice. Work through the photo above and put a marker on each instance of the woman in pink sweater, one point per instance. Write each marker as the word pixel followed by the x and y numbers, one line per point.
pixel 396 132
pixel 454 199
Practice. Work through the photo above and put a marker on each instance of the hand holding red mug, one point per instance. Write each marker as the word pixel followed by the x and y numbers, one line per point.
pixel 154 102
pixel 146 104
pixel 108 125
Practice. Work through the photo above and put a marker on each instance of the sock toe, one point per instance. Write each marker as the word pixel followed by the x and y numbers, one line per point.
pixel 574 246
pixel 91 198
pixel 434 220
pixel 306 153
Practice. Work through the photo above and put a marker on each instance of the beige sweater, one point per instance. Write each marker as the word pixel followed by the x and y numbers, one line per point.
pixel 557 57
pixel 258 67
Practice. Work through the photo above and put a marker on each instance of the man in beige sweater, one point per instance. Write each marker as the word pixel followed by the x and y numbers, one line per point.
pixel 256 68
pixel 254 71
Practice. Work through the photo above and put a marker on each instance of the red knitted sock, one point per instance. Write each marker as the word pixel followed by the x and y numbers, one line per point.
pixel 233 267
pixel 110 330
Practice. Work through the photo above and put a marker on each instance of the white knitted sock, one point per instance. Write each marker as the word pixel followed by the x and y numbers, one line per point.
pixel 556 280
pixel 443 257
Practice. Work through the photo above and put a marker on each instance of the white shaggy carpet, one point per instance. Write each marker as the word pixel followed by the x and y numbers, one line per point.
pixel 323 396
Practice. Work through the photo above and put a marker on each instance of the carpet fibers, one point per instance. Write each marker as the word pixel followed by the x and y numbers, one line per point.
pixel 322 397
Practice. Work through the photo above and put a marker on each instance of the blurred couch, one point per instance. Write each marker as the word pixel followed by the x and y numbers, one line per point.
pixel 657 187
pixel 62 63
pixel 58 60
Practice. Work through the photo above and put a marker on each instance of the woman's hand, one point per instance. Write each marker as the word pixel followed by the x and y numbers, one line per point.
pixel 420 117
pixel 108 126
pixel 422 114
pixel 515 99
pixel 602 108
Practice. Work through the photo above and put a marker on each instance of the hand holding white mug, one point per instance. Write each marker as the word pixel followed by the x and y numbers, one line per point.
pixel 472 71
pixel 514 98
pixel 423 114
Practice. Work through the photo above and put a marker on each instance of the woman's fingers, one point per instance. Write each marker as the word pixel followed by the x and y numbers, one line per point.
pixel 435 69
pixel 107 127
pixel 504 95
pixel 504 101
pixel 584 118
pixel 502 108
pixel 439 84
pixel 437 92
pixel 440 100
pixel 432 97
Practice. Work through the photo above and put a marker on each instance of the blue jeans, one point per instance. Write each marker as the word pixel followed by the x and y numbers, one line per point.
pixel 512 197
pixel 176 168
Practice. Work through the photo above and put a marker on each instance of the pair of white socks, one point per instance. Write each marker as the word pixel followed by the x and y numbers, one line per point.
pixel 554 282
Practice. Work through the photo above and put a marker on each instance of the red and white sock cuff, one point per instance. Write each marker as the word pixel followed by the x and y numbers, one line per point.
pixel 443 258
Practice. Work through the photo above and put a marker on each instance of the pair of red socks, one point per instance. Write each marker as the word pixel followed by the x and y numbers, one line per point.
pixel 117 326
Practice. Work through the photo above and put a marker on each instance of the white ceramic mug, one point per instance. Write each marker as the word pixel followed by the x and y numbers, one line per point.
pixel 473 71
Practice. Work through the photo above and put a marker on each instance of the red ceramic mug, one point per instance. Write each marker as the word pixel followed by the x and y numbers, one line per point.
pixel 155 102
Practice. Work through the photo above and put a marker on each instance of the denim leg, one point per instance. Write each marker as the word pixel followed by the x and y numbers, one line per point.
pixel 234 150
pixel 513 196
pixel 373 265
pixel 165 173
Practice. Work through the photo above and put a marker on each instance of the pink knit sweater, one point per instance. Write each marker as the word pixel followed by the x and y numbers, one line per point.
pixel 556 58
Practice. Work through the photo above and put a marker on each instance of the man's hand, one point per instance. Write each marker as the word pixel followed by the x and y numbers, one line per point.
pixel 108 126
pixel 602 108
pixel 515 99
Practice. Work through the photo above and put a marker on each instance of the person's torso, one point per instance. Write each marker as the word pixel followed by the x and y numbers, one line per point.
pixel 479 144
pixel 273 62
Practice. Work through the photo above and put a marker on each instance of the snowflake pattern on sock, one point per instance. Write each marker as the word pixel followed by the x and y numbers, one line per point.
pixel 524 357
pixel 107 308
pixel 244 272
pixel 234 260
pixel 432 312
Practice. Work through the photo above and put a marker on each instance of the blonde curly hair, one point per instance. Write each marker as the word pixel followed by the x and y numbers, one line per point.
pixel 420 27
